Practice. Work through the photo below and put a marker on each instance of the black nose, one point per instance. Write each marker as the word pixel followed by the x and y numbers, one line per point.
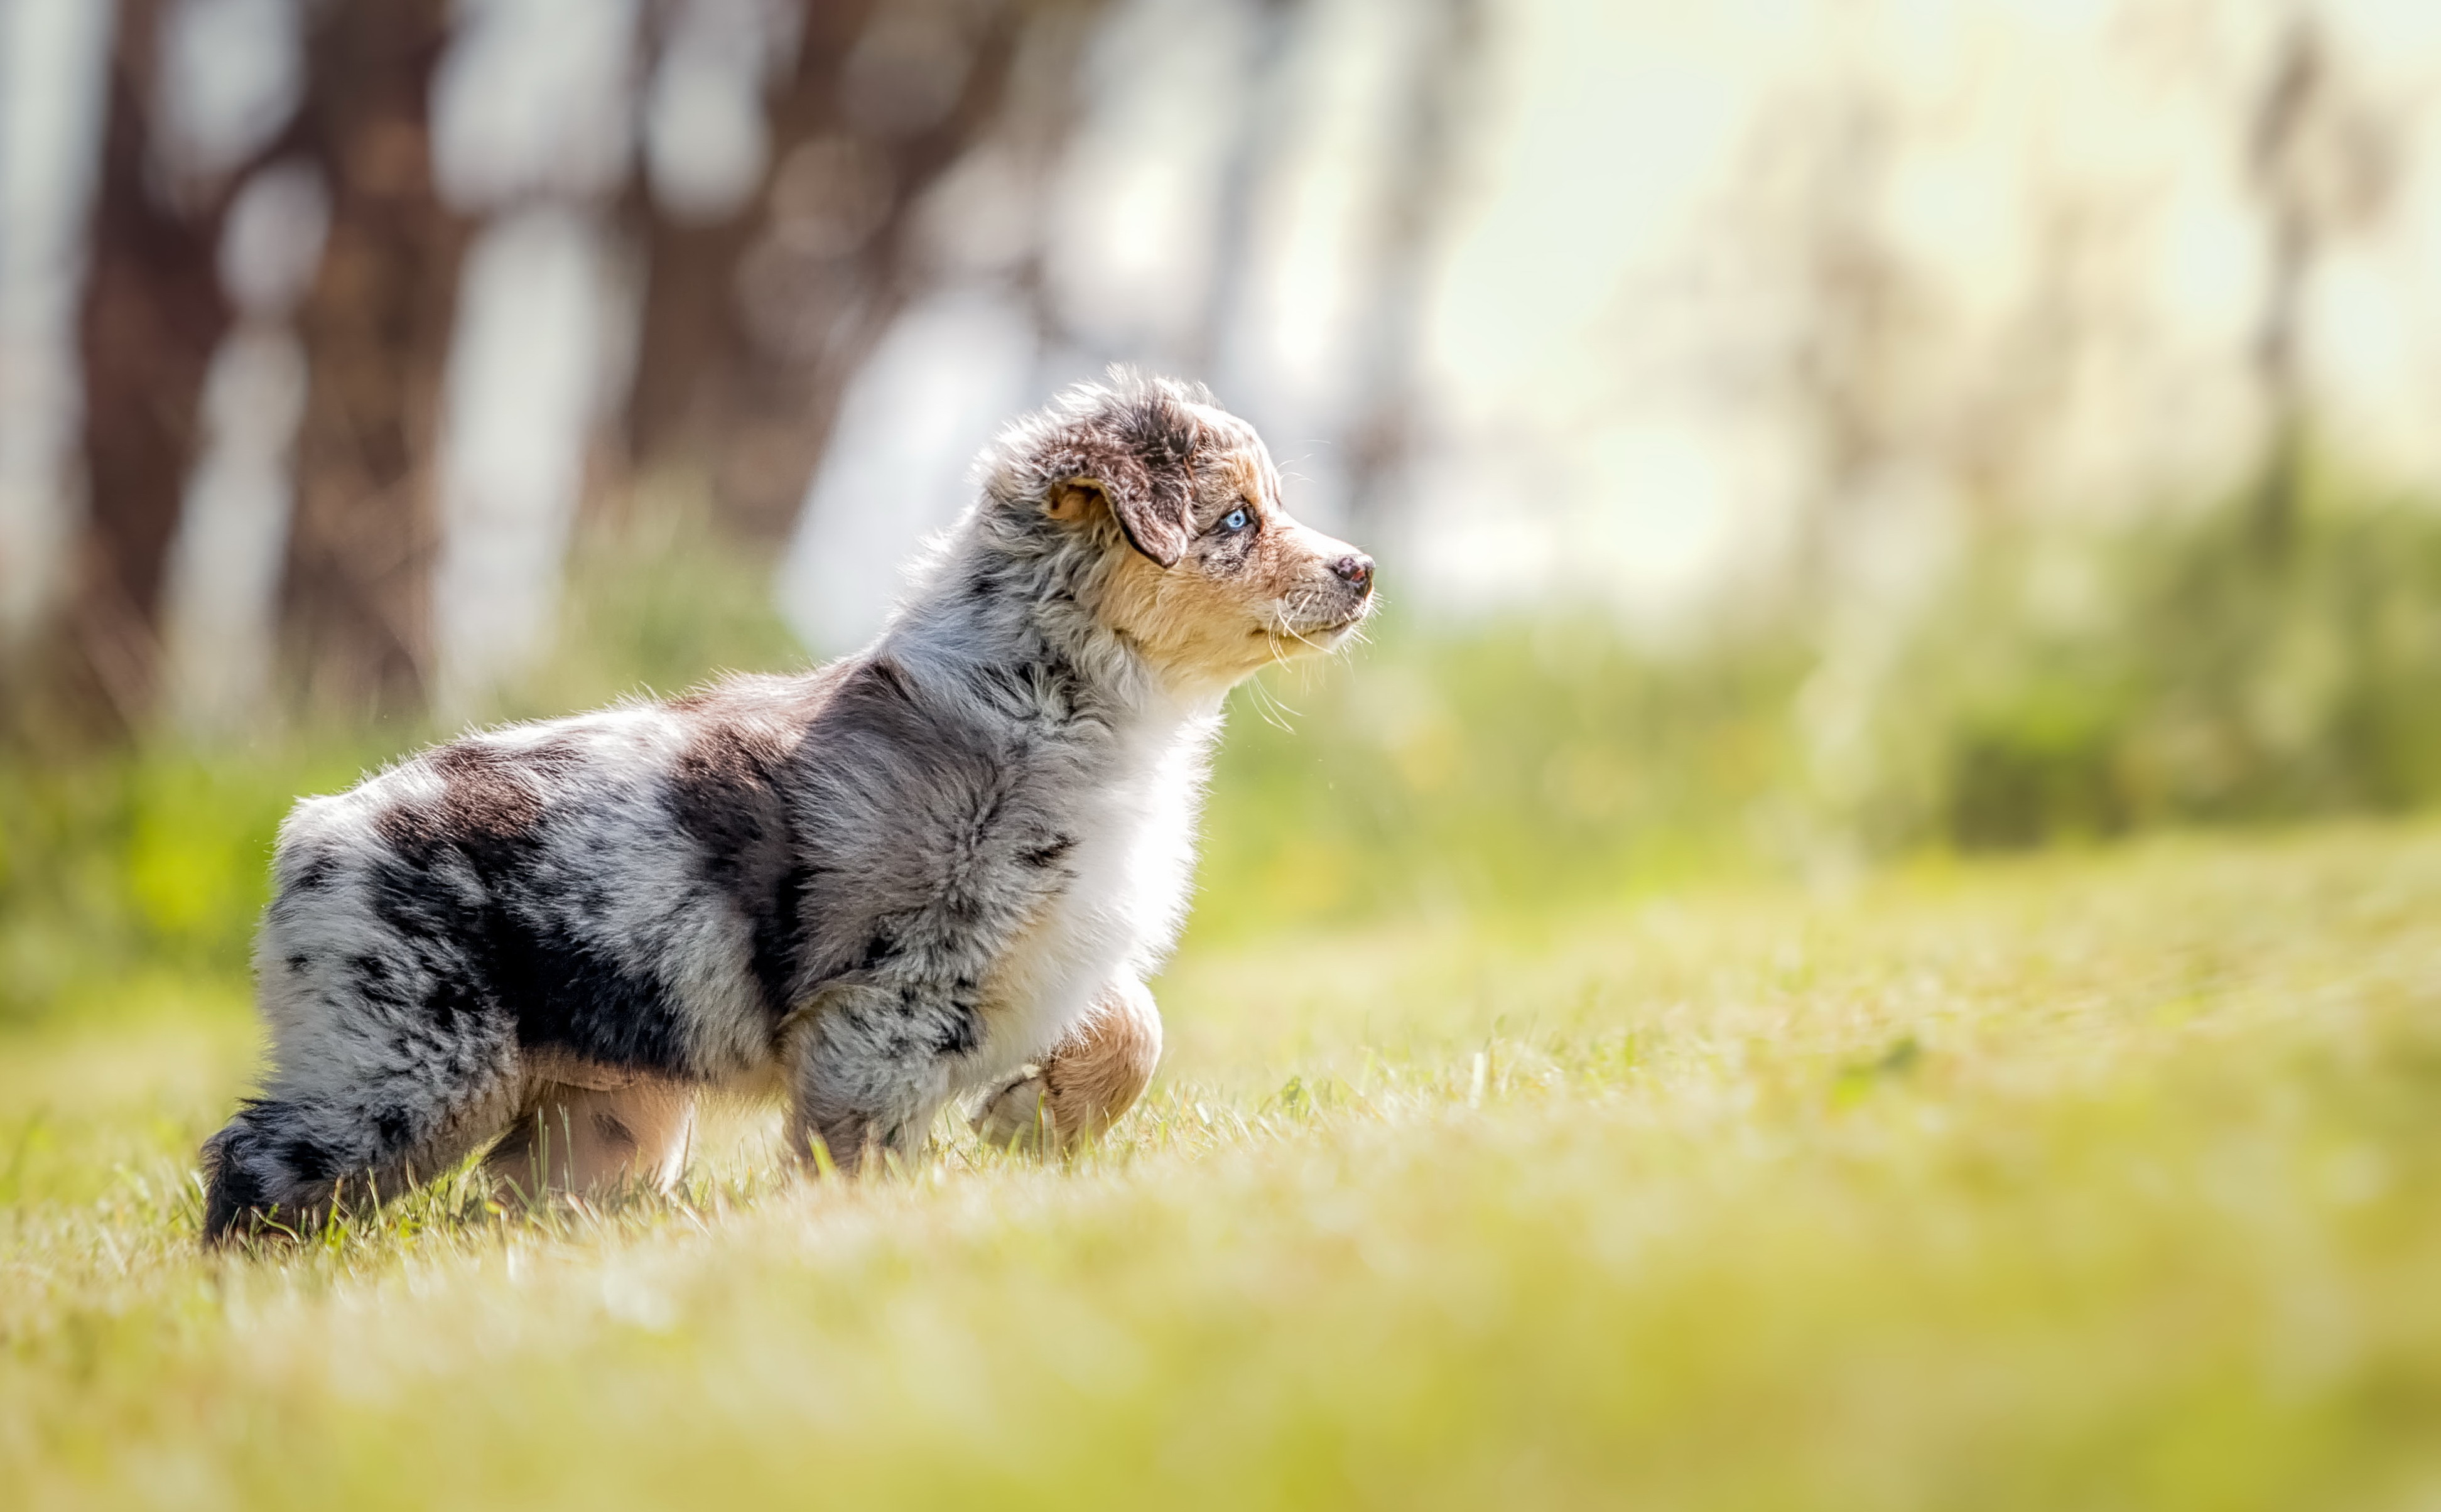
pixel 1355 571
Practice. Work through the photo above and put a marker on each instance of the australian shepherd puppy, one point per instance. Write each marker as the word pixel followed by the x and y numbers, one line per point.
pixel 940 868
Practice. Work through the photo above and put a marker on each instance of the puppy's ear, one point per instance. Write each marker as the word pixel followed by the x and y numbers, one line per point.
pixel 1137 462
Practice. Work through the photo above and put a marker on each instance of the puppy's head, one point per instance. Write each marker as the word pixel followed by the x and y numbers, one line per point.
pixel 1199 568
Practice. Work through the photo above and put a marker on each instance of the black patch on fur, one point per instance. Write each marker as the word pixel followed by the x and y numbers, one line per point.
pixel 779 937
pixel 1042 686
pixel 883 676
pixel 484 953
pixel 308 1158
pixel 321 869
pixel 232 1193
pixel 879 949
pixel 426 910
pixel 451 999
pixel 565 994
pixel 724 791
pixel 1050 851
pixel 372 975
pixel 960 1032
pixel 393 1128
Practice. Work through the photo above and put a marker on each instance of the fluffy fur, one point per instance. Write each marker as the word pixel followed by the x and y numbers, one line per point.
pixel 939 869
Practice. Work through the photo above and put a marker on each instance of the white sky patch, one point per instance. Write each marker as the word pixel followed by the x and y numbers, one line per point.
pixel 1134 201
pixel 953 372
pixel 706 143
pixel 221 603
pixel 1613 160
pixel 221 593
pixel 231 73
pixel 1312 225
pixel 532 99
pixel 52 54
pixel 525 384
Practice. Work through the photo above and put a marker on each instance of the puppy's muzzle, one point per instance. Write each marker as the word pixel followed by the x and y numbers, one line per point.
pixel 1351 577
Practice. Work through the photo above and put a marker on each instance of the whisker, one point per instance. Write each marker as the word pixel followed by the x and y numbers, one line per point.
pixel 1266 705
pixel 1283 705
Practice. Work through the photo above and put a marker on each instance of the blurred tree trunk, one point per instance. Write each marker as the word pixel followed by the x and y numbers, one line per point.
pixel 789 380
pixel 1835 359
pixel 754 327
pixel 153 314
pixel 2323 164
pixel 691 334
pixel 1858 319
pixel 375 326
pixel 1419 182
pixel 2281 116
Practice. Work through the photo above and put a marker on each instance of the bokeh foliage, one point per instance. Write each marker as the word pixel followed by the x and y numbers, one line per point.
pixel 2058 688
pixel 2186 671
pixel 2061 688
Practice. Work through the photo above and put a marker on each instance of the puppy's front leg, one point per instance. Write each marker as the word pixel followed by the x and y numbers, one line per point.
pixel 874 1065
pixel 1091 1077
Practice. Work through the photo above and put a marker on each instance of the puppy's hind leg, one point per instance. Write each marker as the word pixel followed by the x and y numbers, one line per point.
pixel 590 1140
pixel 354 1116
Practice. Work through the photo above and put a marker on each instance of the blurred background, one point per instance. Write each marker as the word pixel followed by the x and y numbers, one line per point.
pixel 1797 435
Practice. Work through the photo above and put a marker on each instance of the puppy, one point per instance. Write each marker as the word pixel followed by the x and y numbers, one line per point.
pixel 939 869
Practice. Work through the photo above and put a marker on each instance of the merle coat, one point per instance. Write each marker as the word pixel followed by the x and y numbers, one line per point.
pixel 899 879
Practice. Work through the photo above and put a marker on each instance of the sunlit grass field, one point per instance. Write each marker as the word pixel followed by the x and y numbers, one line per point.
pixel 2095 1179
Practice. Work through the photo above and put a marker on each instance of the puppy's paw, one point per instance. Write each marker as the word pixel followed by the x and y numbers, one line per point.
pixel 1019 1115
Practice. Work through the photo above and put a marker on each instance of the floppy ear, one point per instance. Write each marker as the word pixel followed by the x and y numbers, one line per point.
pixel 1138 462
pixel 1157 531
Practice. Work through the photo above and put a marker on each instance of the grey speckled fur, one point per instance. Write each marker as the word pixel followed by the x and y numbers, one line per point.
pixel 883 884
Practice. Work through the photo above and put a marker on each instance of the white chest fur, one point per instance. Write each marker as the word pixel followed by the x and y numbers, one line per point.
pixel 1130 872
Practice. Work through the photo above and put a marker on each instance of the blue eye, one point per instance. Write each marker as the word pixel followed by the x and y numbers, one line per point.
pixel 1234 521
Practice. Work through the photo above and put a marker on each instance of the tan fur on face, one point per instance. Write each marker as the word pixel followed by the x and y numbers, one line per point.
pixel 1211 618
pixel 1070 502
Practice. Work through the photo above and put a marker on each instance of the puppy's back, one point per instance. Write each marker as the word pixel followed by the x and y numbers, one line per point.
pixel 613 883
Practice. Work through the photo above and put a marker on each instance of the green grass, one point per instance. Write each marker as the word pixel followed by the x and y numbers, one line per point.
pixel 2092 1180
